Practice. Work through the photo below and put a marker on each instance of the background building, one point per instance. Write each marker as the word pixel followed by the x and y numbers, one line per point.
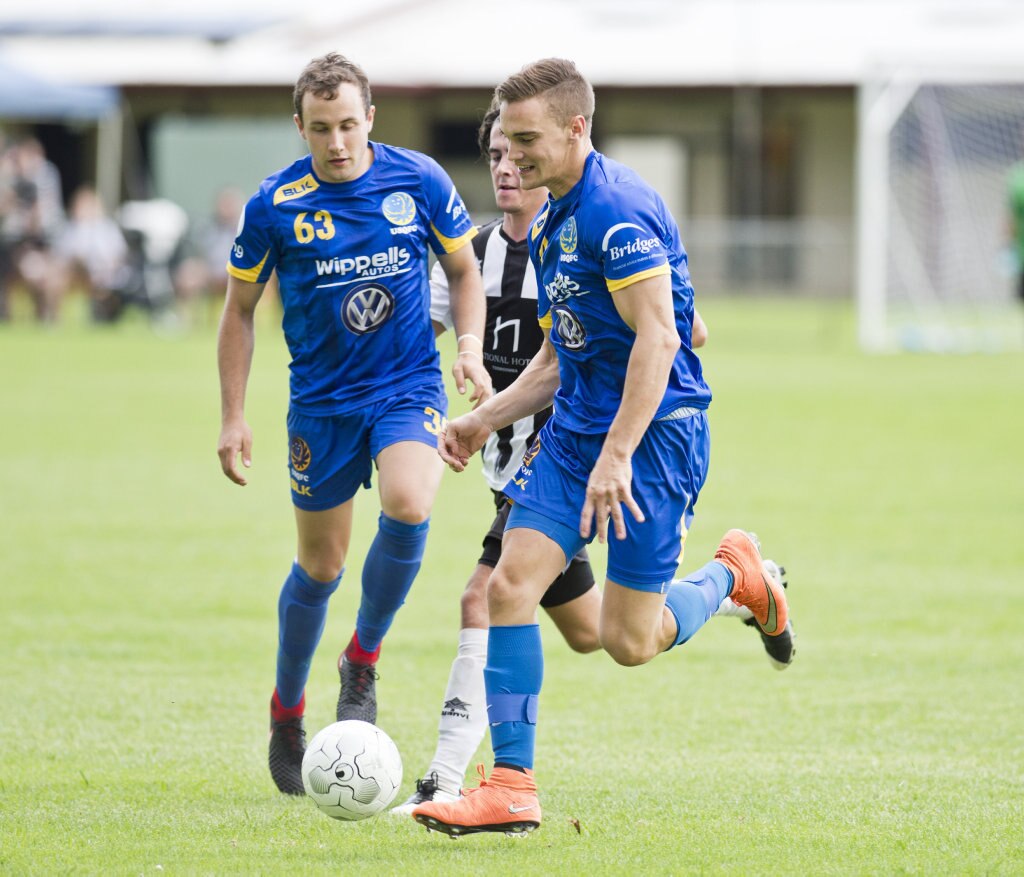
pixel 748 116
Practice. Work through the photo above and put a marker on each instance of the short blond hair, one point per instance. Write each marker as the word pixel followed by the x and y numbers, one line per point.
pixel 567 91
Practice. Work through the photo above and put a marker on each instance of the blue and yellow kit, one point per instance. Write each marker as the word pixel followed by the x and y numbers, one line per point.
pixel 351 262
pixel 609 231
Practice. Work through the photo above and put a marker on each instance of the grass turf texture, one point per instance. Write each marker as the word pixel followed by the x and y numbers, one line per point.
pixel 139 609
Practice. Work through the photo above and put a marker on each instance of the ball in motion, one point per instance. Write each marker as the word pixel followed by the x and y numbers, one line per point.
pixel 351 770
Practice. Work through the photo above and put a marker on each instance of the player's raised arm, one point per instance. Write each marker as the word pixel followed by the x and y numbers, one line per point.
pixel 235 343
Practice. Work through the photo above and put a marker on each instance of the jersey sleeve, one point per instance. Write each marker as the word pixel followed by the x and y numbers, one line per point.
pixel 625 232
pixel 253 254
pixel 451 227
pixel 440 301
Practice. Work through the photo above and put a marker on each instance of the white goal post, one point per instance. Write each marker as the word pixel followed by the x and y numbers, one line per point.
pixel 935 267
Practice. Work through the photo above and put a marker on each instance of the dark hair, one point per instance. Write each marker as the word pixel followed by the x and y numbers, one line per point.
pixel 322 77
pixel 567 91
pixel 483 134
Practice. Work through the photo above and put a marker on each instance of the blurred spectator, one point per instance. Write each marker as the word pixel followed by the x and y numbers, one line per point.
pixel 93 254
pixel 6 206
pixel 155 231
pixel 202 277
pixel 31 215
pixel 1016 205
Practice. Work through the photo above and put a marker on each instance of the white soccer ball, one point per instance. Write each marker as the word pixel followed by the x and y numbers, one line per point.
pixel 351 770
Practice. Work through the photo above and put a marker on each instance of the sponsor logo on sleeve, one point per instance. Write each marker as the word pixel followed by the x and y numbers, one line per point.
pixel 630 241
pixel 454 207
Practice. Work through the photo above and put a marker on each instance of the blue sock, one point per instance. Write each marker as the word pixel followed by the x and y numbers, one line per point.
pixel 694 600
pixel 301 614
pixel 391 565
pixel 512 676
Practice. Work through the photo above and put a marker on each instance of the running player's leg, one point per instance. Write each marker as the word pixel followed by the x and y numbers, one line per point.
pixel 645 612
pixel 669 469
pixel 507 799
pixel 573 603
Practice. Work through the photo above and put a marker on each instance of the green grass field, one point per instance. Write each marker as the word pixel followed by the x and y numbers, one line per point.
pixel 139 593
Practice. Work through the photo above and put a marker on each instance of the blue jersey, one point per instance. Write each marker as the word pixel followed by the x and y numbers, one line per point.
pixel 609 231
pixel 351 261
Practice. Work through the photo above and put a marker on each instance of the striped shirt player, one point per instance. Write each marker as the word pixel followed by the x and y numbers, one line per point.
pixel 512 338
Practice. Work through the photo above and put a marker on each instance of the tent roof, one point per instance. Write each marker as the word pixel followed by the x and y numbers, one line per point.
pixel 25 95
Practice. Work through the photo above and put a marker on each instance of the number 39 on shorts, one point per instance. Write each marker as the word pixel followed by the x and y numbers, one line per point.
pixel 436 423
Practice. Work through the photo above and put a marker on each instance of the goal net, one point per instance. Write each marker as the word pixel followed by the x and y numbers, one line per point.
pixel 936 265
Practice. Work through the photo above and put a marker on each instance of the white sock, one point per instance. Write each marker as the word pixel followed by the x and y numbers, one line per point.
pixel 729 608
pixel 464 715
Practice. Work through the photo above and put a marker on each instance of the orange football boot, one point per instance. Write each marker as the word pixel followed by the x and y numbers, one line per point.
pixel 506 802
pixel 752 586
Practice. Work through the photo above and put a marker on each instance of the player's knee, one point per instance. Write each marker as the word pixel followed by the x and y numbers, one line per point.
pixel 321 569
pixel 503 592
pixel 500 591
pixel 584 642
pixel 409 510
pixel 629 651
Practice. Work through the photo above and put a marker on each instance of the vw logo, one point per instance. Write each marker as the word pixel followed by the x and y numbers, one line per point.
pixel 367 308
pixel 569 328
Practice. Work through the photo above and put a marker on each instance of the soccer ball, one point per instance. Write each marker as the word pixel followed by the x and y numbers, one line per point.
pixel 351 770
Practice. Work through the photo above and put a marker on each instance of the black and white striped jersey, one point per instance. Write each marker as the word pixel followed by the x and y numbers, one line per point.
pixel 512 337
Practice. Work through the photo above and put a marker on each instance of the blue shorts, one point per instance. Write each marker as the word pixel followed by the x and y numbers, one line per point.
pixel 331 457
pixel 669 468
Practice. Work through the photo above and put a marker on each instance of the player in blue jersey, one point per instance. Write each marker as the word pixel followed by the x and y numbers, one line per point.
pixel 511 339
pixel 347 230
pixel 627 447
